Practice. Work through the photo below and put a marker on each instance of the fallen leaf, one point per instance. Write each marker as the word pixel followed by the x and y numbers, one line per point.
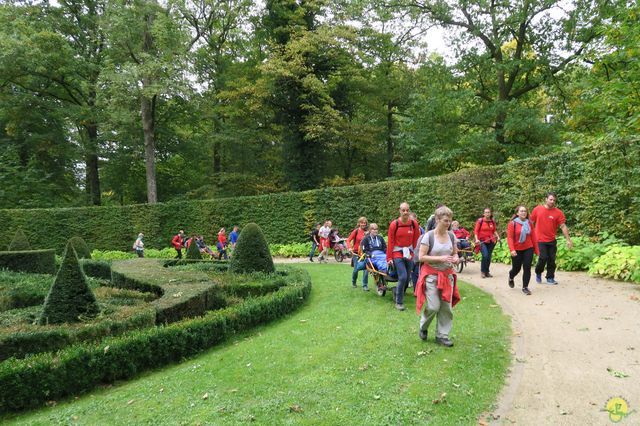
pixel 130 401
pixel 493 306
pixel 303 320
pixel 233 390
pixel 249 365
pixel 178 294
pixel 634 297
pixel 106 349
pixel 161 390
pixel 376 397
pixel 364 367
pixel 422 353
pixel 295 408
pixel 205 396
pixel 618 374
pixel 455 385
pixel 442 398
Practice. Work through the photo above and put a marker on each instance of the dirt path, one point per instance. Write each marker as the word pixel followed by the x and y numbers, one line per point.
pixel 569 343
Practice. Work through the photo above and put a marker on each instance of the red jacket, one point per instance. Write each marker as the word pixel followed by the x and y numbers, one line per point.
pixel 222 238
pixel 356 236
pixel 447 293
pixel 401 235
pixel 485 230
pixel 513 238
pixel 461 233
pixel 177 242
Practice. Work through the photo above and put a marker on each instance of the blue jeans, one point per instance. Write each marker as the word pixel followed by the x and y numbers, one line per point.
pixel 360 266
pixel 404 268
pixel 313 249
pixel 415 273
pixel 486 249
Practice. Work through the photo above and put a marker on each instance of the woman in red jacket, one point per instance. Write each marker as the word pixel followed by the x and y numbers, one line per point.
pixel 486 234
pixel 522 244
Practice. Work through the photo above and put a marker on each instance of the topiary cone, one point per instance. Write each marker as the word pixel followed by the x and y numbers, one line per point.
pixel 81 248
pixel 70 297
pixel 252 252
pixel 193 252
pixel 19 242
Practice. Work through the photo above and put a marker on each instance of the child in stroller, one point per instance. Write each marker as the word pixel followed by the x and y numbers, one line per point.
pixel 374 248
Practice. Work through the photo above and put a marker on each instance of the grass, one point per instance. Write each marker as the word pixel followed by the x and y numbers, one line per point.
pixel 346 357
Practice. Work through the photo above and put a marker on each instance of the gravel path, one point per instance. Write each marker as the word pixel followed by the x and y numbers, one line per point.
pixel 570 343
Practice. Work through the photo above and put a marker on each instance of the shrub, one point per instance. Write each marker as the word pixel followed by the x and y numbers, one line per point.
pixel 618 262
pixel 19 290
pixel 70 297
pixel 81 248
pixel 19 242
pixel 96 268
pixel 34 261
pixel 193 253
pixel 252 252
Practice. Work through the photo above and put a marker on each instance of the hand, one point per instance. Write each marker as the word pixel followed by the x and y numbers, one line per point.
pixel 569 244
pixel 514 253
pixel 455 260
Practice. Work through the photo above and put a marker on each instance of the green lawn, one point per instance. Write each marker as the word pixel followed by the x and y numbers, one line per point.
pixel 346 357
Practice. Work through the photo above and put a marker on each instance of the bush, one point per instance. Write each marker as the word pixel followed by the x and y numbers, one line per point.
pixel 96 268
pixel 193 253
pixel 252 252
pixel 19 242
pixel 19 290
pixel 70 297
pixel 81 248
pixel 618 262
pixel 34 261
pixel 31 381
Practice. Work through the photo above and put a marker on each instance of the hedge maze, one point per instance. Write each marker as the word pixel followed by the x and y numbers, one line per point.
pixel 124 318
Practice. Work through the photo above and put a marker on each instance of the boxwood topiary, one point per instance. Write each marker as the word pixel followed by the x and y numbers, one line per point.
pixel 19 242
pixel 70 297
pixel 193 252
pixel 252 252
pixel 81 248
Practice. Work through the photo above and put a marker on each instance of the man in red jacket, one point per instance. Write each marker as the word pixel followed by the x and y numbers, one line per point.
pixel 177 242
pixel 403 237
pixel 547 218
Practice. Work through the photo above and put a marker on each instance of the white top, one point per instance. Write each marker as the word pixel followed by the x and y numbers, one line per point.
pixel 324 231
pixel 439 249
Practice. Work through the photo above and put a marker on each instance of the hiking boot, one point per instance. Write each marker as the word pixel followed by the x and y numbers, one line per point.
pixel 423 334
pixel 511 283
pixel 400 306
pixel 539 278
pixel 311 259
pixel 526 291
pixel 488 275
pixel 552 281
pixel 353 285
pixel 444 341
pixel 483 275
pixel 365 288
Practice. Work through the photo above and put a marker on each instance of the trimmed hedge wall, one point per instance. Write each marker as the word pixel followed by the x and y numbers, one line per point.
pixel 32 381
pixel 597 185
pixel 34 261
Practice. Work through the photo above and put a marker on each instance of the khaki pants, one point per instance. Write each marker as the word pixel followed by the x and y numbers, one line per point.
pixel 436 307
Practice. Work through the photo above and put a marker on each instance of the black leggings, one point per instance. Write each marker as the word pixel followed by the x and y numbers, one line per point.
pixel 522 259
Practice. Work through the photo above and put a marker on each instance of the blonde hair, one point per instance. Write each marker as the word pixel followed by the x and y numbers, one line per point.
pixel 443 211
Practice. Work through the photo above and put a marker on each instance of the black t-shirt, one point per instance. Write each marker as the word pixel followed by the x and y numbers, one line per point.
pixel 314 235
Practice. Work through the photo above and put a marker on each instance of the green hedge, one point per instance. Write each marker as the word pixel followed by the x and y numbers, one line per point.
pixel 598 187
pixel 32 381
pixel 34 261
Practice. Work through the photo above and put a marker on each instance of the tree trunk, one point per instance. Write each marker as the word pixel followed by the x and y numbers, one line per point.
pixel 148 128
pixel 92 183
pixel 389 138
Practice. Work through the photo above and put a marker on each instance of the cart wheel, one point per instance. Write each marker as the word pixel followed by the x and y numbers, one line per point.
pixel 461 264
pixel 339 256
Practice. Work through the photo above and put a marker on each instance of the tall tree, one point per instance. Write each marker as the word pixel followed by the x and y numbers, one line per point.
pixel 57 52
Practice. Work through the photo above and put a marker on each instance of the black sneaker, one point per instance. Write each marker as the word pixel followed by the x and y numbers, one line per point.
pixel 511 283
pixel 444 341
pixel 353 285
pixel 423 334
pixel 311 259
pixel 526 291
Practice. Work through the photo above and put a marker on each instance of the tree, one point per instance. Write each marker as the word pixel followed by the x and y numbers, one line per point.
pixel 57 52
pixel 509 49
pixel 147 62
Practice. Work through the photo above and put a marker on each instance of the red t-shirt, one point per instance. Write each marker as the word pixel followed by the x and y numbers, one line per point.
pixel 222 238
pixel 356 236
pixel 513 238
pixel 485 230
pixel 546 222
pixel 401 235
pixel 461 233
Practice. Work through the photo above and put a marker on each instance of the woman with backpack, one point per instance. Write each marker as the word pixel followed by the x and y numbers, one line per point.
pixel 437 284
pixel 486 236
pixel 522 244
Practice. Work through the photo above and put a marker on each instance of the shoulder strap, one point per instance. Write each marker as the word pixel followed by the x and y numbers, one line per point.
pixel 431 239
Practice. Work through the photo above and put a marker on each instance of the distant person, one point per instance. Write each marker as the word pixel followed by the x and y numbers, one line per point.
pixel 138 246
pixel 375 248
pixel 324 232
pixel 178 243
pixel 486 234
pixel 222 244
pixel 233 237
pixel 402 238
pixel 416 262
pixel 462 235
pixel 353 244
pixel 437 284
pixel 547 218
pixel 430 224
pixel 315 241
pixel 522 244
